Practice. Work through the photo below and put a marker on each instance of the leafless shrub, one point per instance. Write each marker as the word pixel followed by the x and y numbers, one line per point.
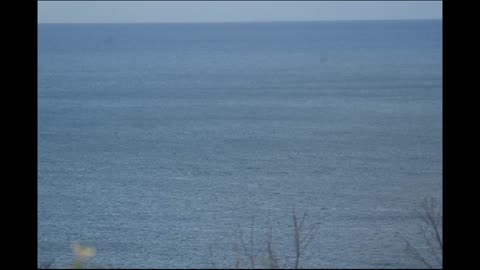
pixel 244 249
pixel 431 230
pixel 247 255
pixel 272 259
pixel 302 236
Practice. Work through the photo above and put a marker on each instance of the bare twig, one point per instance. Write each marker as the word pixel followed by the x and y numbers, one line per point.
pixel 430 229
pixel 302 236
pixel 272 259
pixel 248 253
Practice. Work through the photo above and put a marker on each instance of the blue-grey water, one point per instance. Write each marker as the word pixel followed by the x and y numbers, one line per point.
pixel 159 143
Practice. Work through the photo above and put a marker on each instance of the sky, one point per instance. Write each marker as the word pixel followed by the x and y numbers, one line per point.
pixel 232 11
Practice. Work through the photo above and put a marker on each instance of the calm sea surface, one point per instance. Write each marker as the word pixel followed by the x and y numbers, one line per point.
pixel 160 143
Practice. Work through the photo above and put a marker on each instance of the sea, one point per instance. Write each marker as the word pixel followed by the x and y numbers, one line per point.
pixel 193 145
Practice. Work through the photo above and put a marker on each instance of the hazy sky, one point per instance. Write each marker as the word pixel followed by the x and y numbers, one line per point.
pixel 232 11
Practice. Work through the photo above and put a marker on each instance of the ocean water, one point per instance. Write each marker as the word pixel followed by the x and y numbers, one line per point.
pixel 162 144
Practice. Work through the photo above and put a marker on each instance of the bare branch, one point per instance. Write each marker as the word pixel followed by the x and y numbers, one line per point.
pixel 430 229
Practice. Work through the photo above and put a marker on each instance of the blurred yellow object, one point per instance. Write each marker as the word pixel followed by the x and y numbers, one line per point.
pixel 82 252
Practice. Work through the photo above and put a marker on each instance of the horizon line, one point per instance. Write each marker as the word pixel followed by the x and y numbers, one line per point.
pixel 245 22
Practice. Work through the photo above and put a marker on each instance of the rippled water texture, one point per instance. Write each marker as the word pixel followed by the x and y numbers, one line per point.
pixel 160 142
